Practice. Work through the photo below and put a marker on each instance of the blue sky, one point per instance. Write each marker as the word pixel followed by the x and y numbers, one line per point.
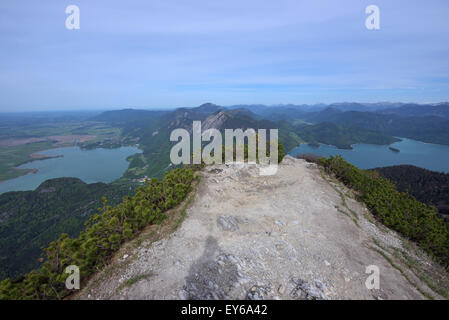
pixel 164 53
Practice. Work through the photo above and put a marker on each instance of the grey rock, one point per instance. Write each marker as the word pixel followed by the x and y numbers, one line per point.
pixel 259 292
pixel 183 295
pixel 279 223
pixel 307 291
pixel 227 223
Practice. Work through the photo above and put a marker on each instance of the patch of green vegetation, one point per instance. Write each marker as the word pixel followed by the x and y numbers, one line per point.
pixel 344 212
pixel 183 212
pixel 30 220
pixel 102 237
pixel 10 157
pixel 356 216
pixel 396 210
pixel 444 292
pixel 96 129
pixel 296 138
pixel 429 187
pixel 134 280
pixel 421 274
pixel 390 260
pixel 426 129
pixel 37 128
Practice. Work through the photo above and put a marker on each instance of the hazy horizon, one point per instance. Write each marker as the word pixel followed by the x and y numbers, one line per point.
pixel 225 106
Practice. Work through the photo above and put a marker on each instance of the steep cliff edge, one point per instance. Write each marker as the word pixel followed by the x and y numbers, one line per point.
pixel 295 235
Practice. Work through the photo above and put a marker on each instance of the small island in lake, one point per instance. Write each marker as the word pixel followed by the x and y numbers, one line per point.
pixel 394 149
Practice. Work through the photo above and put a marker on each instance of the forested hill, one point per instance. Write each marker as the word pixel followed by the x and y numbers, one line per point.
pixel 427 186
pixel 30 220
pixel 342 136
pixel 151 130
pixel 429 128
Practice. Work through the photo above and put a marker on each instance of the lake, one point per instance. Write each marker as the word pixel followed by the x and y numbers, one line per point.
pixel 366 156
pixel 97 165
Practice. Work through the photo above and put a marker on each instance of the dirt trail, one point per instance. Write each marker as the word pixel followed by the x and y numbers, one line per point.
pixel 294 235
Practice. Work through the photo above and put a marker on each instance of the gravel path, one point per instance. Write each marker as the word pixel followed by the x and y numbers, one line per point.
pixel 287 236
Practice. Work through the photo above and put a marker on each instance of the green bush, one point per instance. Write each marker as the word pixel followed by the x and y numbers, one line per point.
pixel 397 210
pixel 102 237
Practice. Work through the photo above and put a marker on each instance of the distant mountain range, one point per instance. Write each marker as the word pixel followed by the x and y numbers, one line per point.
pixel 405 109
pixel 417 110
pixel 338 124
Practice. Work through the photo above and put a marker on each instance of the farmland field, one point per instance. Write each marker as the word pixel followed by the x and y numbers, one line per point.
pixel 19 142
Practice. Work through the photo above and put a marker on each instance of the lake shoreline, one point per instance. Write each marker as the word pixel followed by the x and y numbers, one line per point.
pixel 367 156
pixel 91 166
pixel 350 147
pixel 36 157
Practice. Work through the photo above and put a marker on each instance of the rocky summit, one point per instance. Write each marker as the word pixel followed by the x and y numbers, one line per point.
pixel 298 234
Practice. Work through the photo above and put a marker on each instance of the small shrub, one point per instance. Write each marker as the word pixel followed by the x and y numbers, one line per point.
pixel 310 157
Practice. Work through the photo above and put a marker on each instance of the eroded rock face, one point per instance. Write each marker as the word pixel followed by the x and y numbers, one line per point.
pixel 215 121
pixel 247 236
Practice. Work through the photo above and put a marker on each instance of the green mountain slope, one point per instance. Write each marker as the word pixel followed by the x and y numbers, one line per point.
pixel 427 186
pixel 101 236
pixel 430 129
pixel 30 220
pixel 342 136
